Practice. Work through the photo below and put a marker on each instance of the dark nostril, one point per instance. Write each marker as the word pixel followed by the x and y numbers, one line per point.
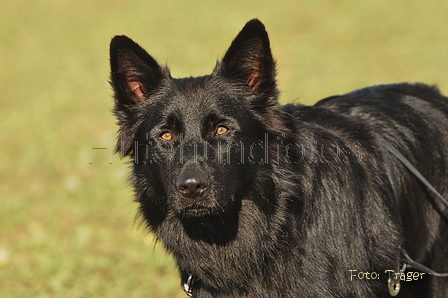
pixel 192 184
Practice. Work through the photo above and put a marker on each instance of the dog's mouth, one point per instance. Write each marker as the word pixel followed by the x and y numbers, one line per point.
pixel 197 210
pixel 214 225
pixel 203 207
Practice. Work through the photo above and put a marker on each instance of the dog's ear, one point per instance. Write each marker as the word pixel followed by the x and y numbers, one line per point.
pixel 134 73
pixel 249 59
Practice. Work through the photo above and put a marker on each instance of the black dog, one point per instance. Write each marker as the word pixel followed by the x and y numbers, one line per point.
pixel 260 200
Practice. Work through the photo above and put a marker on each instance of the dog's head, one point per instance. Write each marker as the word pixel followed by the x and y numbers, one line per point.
pixel 197 143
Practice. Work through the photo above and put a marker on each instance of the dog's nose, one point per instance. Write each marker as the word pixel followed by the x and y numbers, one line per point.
pixel 192 184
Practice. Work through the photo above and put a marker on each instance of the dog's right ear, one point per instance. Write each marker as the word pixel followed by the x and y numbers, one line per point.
pixel 135 75
pixel 249 60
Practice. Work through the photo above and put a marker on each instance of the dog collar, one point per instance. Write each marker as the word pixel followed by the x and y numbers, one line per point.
pixel 188 284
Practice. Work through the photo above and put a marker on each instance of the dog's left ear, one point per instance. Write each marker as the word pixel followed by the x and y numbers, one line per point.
pixel 249 60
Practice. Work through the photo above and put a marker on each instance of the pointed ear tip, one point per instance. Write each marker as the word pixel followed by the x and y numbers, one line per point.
pixel 254 29
pixel 255 24
pixel 120 40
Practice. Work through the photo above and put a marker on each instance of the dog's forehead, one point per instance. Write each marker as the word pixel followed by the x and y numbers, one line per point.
pixel 190 88
pixel 198 95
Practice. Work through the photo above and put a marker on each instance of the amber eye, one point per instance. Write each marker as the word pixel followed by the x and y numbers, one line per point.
pixel 221 130
pixel 166 136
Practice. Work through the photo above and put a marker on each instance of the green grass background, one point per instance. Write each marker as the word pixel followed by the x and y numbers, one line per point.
pixel 67 226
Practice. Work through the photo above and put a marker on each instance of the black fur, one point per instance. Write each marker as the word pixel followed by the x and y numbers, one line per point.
pixel 261 200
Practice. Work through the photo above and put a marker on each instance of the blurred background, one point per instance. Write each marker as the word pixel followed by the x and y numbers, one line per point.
pixel 67 224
